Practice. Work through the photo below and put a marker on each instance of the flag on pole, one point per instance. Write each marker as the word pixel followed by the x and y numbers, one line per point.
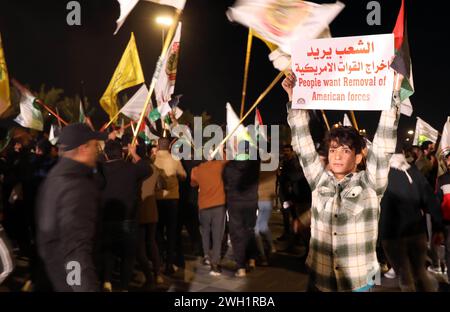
pixel 82 116
pixel 5 100
pixel 30 114
pixel 133 108
pixel 240 134
pixel 424 132
pixel 165 85
pixel 402 61
pixel 346 122
pixel 126 6
pixel 258 124
pixel 54 134
pixel 280 59
pixel 280 21
pixel 444 147
pixel 127 74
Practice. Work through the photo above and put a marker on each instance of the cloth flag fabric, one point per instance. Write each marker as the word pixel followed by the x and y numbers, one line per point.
pixel 126 6
pixel 240 134
pixel 54 134
pixel 402 61
pixel 424 132
pixel 133 108
pixel 30 114
pixel 82 115
pixel 280 21
pixel 258 124
pixel 127 74
pixel 346 122
pixel 280 59
pixel 5 100
pixel 165 85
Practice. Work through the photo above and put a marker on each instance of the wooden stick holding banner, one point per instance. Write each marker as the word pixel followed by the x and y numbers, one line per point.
pixel 325 119
pixel 247 64
pixel 157 71
pixel 352 115
pixel 260 98
pixel 51 112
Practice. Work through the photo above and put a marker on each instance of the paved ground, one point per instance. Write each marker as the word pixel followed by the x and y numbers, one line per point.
pixel 285 274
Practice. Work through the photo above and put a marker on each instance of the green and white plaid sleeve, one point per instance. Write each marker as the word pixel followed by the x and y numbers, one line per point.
pixel 383 146
pixel 303 145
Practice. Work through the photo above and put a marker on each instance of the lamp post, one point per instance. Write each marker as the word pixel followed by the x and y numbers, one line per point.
pixel 164 21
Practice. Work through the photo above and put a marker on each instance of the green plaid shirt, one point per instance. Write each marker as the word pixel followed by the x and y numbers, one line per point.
pixel 344 214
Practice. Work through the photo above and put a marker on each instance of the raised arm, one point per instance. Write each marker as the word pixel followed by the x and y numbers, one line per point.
pixel 302 142
pixel 383 146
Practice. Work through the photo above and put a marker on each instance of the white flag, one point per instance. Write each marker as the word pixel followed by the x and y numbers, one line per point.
pixel 30 116
pixel 126 6
pixel 133 108
pixel 240 134
pixel 406 107
pixel 424 132
pixel 346 122
pixel 280 21
pixel 444 147
pixel 282 61
pixel 165 85
pixel 53 136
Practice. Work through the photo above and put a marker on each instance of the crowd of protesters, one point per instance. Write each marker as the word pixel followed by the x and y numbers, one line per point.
pixel 97 203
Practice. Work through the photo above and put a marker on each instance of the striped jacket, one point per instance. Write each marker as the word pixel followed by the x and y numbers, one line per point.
pixel 344 214
pixel 6 256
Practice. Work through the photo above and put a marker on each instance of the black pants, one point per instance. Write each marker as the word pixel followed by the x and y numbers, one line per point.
pixel 147 245
pixel 167 229
pixel 120 239
pixel 407 256
pixel 242 231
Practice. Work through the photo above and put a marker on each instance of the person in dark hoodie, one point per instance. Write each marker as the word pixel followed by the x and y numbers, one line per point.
pixel 240 177
pixel 120 200
pixel 67 209
pixel 402 223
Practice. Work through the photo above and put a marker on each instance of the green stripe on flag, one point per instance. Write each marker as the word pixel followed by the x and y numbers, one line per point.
pixel 154 115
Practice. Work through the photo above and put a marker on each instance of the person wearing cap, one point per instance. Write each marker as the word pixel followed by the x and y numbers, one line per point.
pixel 67 207
pixel 240 177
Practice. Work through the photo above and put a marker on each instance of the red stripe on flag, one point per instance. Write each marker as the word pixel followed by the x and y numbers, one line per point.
pixel 399 28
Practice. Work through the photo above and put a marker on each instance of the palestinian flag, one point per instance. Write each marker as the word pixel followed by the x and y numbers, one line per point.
pixel 402 60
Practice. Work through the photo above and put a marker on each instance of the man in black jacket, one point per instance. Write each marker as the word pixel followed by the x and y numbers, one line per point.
pixel 240 178
pixel 67 210
pixel 119 204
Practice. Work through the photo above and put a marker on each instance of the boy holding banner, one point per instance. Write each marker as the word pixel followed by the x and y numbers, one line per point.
pixel 345 203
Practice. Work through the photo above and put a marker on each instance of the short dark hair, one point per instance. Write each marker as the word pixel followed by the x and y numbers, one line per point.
pixel 289 146
pixel 44 145
pixel 425 145
pixel 113 150
pixel 163 143
pixel 346 136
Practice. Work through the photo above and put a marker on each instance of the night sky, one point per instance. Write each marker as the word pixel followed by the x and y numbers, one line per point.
pixel 41 48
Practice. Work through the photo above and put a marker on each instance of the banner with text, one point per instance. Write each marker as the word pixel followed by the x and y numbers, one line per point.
pixel 348 73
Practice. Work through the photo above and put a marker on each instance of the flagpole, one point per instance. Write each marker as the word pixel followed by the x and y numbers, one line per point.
pixel 157 71
pixel 325 119
pixel 355 124
pixel 247 64
pixel 106 125
pixel 260 98
pixel 59 121
pixel 51 112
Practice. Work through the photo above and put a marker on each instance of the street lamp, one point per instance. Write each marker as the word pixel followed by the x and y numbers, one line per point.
pixel 164 21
